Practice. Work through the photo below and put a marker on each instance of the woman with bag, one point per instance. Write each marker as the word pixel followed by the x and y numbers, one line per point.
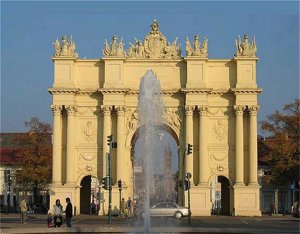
pixel 57 213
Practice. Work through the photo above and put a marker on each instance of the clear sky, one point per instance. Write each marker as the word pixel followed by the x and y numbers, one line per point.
pixel 29 28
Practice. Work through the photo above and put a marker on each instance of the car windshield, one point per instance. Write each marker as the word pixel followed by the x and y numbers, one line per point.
pixel 164 205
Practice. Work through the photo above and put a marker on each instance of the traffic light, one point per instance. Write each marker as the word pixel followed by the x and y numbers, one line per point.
pixel 109 139
pixel 105 183
pixel 187 184
pixel 189 149
pixel 120 184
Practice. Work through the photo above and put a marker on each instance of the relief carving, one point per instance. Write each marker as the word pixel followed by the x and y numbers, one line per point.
pixel 87 156
pixel 89 131
pixel 131 120
pixel 220 130
pixel 173 119
pixel 218 156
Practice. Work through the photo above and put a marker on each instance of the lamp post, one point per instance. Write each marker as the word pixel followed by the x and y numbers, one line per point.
pixel 9 183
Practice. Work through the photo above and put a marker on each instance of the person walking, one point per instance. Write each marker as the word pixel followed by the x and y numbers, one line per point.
pixel 123 207
pixel 129 207
pixel 57 213
pixel 23 208
pixel 69 212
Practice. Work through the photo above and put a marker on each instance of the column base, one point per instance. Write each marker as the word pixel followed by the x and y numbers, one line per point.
pixel 199 200
pixel 246 201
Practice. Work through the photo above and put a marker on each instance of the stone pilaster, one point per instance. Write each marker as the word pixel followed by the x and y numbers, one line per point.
pixel 189 139
pixel 56 153
pixel 203 155
pixel 70 144
pixel 239 146
pixel 120 142
pixel 106 110
pixel 253 145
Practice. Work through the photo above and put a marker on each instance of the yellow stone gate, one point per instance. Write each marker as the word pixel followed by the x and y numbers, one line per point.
pixel 215 100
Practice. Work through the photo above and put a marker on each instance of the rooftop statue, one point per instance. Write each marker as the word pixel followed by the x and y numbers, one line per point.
pixel 196 50
pixel 65 49
pixel 114 49
pixel 155 46
pixel 245 48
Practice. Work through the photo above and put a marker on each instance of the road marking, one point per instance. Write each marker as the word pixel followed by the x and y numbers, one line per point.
pixel 244 221
pixel 79 220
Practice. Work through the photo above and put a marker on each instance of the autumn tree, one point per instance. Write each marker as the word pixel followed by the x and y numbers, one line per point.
pixel 279 151
pixel 34 156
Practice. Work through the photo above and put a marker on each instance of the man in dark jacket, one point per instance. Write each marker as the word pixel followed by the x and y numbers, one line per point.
pixel 69 212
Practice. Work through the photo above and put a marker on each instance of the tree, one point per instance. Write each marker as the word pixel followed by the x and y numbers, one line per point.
pixel 279 152
pixel 35 156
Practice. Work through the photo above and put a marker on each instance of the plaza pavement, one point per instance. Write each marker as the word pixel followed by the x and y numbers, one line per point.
pixel 10 223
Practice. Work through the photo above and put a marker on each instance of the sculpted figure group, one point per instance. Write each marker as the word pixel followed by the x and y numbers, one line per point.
pixel 114 48
pixel 245 48
pixel 155 45
pixel 198 49
pixel 65 49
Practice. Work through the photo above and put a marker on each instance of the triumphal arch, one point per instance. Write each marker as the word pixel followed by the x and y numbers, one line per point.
pixel 210 104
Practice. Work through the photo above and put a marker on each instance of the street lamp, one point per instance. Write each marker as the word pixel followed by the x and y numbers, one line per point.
pixel 9 183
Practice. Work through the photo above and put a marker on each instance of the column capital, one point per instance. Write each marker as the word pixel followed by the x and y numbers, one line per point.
pixel 120 110
pixel 56 109
pixel 106 110
pixel 71 109
pixel 239 109
pixel 189 109
pixel 202 110
pixel 253 110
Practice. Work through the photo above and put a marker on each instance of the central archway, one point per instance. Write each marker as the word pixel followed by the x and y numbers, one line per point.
pixel 166 165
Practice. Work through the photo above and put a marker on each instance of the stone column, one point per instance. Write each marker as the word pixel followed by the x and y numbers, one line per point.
pixel 56 153
pixel 253 145
pixel 11 196
pixel 189 139
pixel 5 195
pixel 239 146
pixel 70 144
pixel 106 131
pixel 203 155
pixel 120 142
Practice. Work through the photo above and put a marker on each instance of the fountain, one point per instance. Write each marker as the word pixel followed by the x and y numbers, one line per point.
pixel 150 110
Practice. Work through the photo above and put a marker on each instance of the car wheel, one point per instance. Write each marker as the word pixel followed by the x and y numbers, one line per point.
pixel 178 215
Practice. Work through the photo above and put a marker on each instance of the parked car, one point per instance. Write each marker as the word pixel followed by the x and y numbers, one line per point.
pixel 167 209
pixel 296 209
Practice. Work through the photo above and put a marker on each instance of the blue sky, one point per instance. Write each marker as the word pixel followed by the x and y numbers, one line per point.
pixel 29 28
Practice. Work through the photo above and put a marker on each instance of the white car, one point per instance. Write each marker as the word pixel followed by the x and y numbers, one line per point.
pixel 168 209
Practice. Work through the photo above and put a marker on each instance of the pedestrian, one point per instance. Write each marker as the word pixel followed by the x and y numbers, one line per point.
pixel 69 212
pixel 123 207
pixel 23 208
pixel 57 213
pixel 129 207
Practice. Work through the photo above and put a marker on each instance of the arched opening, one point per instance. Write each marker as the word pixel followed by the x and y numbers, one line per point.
pixel 85 195
pixel 220 195
pixel 165 175
pixel 89 195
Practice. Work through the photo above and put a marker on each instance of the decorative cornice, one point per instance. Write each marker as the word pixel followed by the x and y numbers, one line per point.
pixel 218 92
pixel 113 91
pixel 163 92
pixel 236 91
pixel 87 92
pixel 62 91
pixel 197 91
